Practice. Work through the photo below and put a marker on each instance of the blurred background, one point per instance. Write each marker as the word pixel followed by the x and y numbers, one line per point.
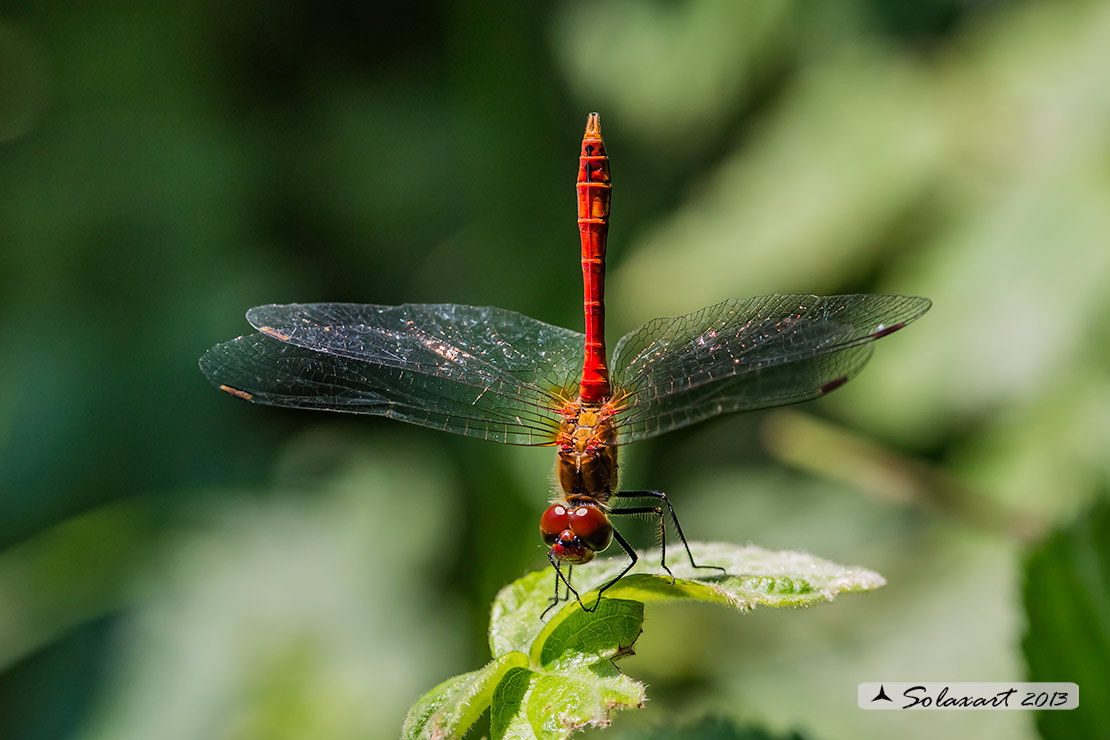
pixel 175 563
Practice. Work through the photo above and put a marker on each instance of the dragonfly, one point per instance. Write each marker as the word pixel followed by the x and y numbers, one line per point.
pixel 501 376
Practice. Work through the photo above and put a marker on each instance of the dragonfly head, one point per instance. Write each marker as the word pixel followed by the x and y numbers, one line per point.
pixel 577 532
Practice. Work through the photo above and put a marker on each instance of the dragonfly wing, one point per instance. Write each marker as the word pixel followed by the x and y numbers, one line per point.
pixel 478 371
pixel 744 355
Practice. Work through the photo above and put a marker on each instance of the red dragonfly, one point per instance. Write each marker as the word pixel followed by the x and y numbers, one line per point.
pixel 498 375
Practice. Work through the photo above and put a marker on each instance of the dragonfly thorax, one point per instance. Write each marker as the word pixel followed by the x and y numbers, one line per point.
pixel 587 461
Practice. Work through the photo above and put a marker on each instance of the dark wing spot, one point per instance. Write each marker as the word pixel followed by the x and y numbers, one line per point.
pixel 271 332
pixel 236 392
pixel 888 330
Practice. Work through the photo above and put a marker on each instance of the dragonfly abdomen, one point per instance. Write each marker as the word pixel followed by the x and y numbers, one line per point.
pixel 593 226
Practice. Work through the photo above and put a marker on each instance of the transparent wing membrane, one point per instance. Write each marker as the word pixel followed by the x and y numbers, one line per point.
pixel 478 371
pixel 499 375
pixel 744 355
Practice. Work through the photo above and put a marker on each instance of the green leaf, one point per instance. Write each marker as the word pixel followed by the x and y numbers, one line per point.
pixel 1067 605
pixel 451 708
pixel 582 638
pixel 530 705
pixel 558 675
pixel 753 577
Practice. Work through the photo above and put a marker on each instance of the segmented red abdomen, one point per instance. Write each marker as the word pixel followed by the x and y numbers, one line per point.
pixel 593 225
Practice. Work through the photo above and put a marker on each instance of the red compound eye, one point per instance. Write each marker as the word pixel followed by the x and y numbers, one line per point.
pixel 553 522
pixel 592 527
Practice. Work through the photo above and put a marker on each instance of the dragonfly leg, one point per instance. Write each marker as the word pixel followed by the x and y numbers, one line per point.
pixel 660 496
pixel 565 579
pixel 656 511
pixel 632 558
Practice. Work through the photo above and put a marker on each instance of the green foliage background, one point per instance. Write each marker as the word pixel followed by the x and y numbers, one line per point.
pixel 176 564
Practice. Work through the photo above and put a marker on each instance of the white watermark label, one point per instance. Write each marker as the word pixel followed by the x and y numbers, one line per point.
pixel 940 695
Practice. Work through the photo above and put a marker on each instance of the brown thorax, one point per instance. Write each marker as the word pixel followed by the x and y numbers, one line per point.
pixel 587 462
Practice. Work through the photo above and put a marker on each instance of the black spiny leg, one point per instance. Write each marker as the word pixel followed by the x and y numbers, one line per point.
pixel 559 576
pixel 654 511
pixel 660 496
pixel 565 579
pixel 632 558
